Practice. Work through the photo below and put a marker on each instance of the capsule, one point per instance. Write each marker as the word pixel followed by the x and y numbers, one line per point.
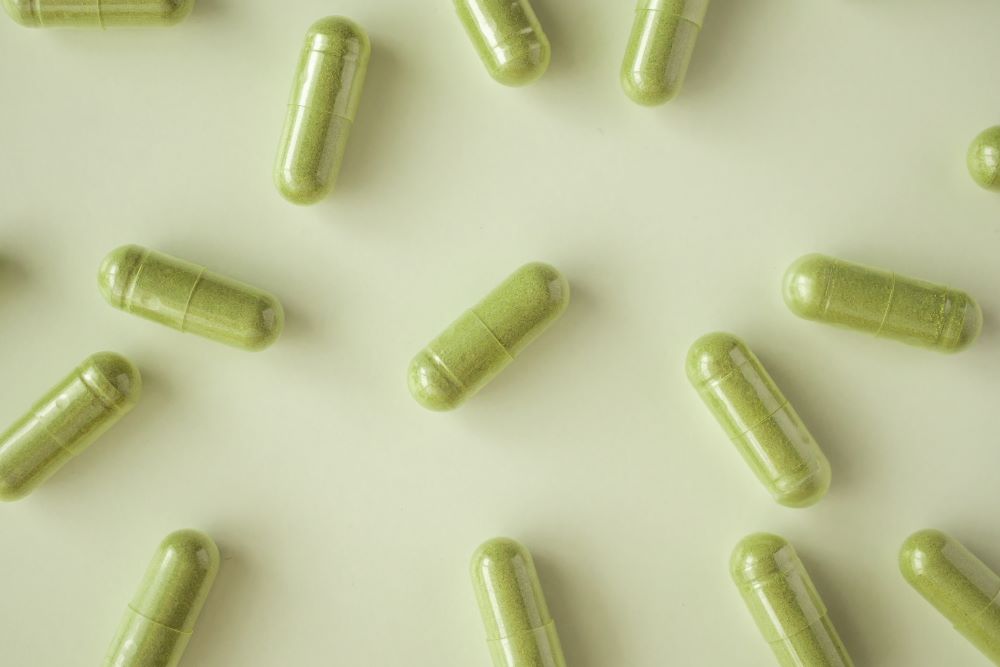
pixel 660 48
pixel 785 604
pixel 160 620
pixel 97 13
pixel 508 38
pixel 520 631
pixel 984 159
pixel 324 103
pixel 958 584
pixel 187 297
pixel 480 343
pixel 882 303
pixel 98 393
pixel 759 419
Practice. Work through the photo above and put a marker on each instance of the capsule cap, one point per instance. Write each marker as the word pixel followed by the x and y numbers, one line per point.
pixel 691 10
pixel 113 378
pixel 806 287
pixel 510 596
pixel 178 580
pixel 22 11
pixel 118 272
pixel 715 356
pixel 984 159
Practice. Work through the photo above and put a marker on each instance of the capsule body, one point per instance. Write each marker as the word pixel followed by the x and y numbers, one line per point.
pixel 508 38
pixel 984 159
pixel 324 103
pixel 882 303
pixel 187 297
pixel 97 13
pixel 785 604
pixel 66 421
pixel 660 48
pixel 759 419
pixel 520 631
pixel 958 584
pixel 480 343
pixel 160 620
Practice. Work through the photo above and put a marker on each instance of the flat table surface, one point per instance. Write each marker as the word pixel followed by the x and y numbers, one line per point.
pixel 346 513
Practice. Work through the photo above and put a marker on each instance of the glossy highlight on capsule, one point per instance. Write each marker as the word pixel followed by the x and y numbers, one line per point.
pixel 67 420
pixel 97 13
pixel 882 303
pixel 984 159
pixel 189 298
pixel 660 49
pixel 160 620
pixel 520 631
pixel 760 421
pixel 326 94
pixel 508 38
pixel 959 585
pixel 785 604
pixel 487 337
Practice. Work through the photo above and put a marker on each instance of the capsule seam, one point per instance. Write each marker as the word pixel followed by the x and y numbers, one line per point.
pixel 443 367
pixel 946 302
pixel 187 303
pixel 147 618
pixel 100 13
pixel 798 632
pixel 128 295
pixel 888 307
pixel 96 393
pixel 62 445
pixel 714 382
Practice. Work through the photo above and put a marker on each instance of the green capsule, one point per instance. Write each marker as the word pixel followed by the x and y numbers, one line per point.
pixel 187 297
pixel 480 343
pixel 508 38
pixel 785 604
pixel 66 421
pixel 97 13
pixel 882 303
pixel 984 159
pixel 660 47
pixel 325 97
pixel 958 584
pixel 160 620
pixel 758 418
pixel 520 631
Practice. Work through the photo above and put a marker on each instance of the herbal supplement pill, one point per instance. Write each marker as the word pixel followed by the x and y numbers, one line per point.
pixel 187 297
pixel 785 604
pixel 660 48
pixel 520 631
pixel 97 13
pixel 508 38
pixel 66 421
pixel 958 584
pixel 885 304
pixel 480 343
pixel 325 98
pixel 758 419
pixel 984 159
pixel 160 620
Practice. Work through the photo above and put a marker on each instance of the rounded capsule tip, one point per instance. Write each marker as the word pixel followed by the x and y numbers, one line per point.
pixel 22 11
pixel 649 91
pixel 920 552
pixel 175 11
pixel 972 325
pixel 984 159
pixel 178 580
pixel 714 355
pixel 524 68
pixel 806 283
pixel 303 189
pixel 758 555
pixel 192 548
pixel 807 491
pixel 12 488
pixel 338 33
pixel 117 272
pixel 114 376
pixel 431 385
pixel 268 323
pixel 497 553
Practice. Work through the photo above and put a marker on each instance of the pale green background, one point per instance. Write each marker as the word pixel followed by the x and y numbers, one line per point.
pixel 346 513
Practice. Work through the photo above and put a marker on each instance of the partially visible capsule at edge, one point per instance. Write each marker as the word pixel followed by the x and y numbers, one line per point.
pixel 508 38
pixel 487 337
pixel 959 585
pixel 160 620
pixel 886 304
pixel 785 604
pixel 97 13
pixel 983 159
pixel 660 48
pixel 326 94
pixel 71 416
pixel 520 630
pixel 187 297
pixel 757 417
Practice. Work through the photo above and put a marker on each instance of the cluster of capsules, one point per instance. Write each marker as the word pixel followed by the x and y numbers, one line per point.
pixel 733 383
